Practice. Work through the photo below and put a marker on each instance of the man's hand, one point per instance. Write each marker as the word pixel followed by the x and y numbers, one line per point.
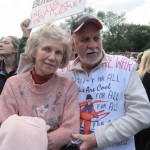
pixel 25 30
pixel 88 141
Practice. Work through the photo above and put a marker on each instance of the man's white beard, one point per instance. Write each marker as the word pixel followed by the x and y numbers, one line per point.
pixel 91 63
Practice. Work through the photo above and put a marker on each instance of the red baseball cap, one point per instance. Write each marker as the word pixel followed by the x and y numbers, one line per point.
pixel 80 20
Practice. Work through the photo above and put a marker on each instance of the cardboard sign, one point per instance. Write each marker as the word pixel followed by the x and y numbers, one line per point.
pixel 46 11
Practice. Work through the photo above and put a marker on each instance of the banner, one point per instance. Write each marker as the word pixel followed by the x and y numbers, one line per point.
pixel 46 11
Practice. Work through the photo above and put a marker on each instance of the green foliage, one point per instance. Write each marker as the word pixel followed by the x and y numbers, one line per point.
pixel 139 35
pixel 120 36
pixel 117 34
pixel 66 24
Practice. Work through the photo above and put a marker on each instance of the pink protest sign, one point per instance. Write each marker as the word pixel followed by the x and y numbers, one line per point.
pixel 46 11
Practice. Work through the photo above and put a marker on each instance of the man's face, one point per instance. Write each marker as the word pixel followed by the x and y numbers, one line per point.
pixel 87 44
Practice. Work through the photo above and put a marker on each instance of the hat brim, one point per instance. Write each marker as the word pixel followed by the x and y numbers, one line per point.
pixel 95 21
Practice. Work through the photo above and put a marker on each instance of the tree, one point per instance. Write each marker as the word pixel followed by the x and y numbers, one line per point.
pixel 139 35
pixel 114 28
pixel 117 34
pixel 66 24
pixel 120 36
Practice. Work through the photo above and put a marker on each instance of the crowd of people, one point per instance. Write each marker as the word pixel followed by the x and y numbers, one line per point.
pixel 97 101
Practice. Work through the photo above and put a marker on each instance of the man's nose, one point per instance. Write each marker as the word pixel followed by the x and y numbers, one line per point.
pixel 92 44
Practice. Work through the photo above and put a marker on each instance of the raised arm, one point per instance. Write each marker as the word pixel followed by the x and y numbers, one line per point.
pixel 25 35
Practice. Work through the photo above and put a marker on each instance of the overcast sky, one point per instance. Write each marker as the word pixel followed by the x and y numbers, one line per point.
pixel 13 12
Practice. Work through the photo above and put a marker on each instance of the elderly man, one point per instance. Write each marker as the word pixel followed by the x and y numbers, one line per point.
pixel 119 97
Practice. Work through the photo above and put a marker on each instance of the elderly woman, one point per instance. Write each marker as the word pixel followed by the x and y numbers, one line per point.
pixel 8 65
pixel 40 94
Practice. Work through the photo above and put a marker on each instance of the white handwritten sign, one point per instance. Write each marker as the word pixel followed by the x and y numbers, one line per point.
pixel 45 11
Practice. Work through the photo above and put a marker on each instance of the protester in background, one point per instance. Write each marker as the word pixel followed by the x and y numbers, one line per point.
pixel 9 53
pixel 133 56
pixel 139 57
pixel 142 139
pixel 8 65
pixel 119 105
pixel 41 93
pixel 144 71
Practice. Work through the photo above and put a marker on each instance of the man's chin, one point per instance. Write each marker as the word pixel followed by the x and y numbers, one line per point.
pixel 93 62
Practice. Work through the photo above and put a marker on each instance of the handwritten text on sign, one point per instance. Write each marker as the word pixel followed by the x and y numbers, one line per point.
pixel 44 11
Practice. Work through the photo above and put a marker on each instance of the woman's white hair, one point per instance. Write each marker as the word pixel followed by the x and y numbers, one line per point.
pixel 51 32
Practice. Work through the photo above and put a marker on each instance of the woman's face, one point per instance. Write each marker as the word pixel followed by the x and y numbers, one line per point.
pixel 6 47
pixel 48 56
